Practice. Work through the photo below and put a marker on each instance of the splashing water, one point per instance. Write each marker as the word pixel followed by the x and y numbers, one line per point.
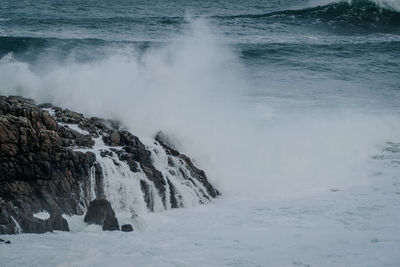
pixel 192 89
pixel 270 101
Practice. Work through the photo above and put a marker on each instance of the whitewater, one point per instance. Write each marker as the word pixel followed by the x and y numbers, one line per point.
pixel 292 109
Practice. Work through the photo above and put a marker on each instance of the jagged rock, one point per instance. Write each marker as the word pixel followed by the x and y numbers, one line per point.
pixel 100 212
pixel 126 228
pixel 194 171
pixel 45 164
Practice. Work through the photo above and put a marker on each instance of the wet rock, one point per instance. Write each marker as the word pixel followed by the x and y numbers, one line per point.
pixel 57 222
pixel 126 228
pixel 7 242
pixel 174 196
pixel 34 225
pixel 100 212
pixel 115 139
pixel 38 168
pixel 148 197
pixel 110 224
pixel 106 153
pixel 196 173
pixel 45 165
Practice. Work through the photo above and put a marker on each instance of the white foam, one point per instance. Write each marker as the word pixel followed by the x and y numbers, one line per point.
pixel 190 194
pixel 76 224
pixel 391 4
pixel 122 186
pixel 356 227
pixel 18 228
pixel 92 183
pixel 74 127
pixel 44 215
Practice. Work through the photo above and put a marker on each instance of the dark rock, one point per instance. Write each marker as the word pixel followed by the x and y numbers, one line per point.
pixel 110 224
pixel 148 197
pixel 194 171
pixel 106 153
pixel 34 225
pixel 115 139
pixel 2 240
pixel 100 212
pixel 126 228
pixel 40 169
pixel 8 242
pixel 174 196
pixel 84 141
pixel 57 222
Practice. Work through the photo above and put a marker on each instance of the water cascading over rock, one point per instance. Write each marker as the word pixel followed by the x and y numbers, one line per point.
pixel 56 160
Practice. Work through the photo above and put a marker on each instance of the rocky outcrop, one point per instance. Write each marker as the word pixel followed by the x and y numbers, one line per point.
pixel 38 171
pixel 195 173
pixel 57 160
pixel 100 212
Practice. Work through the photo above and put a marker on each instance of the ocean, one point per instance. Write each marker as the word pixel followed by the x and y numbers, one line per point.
pixel 292 108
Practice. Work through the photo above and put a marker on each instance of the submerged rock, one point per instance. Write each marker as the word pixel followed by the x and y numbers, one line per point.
pixel 49 161
pixel 5 241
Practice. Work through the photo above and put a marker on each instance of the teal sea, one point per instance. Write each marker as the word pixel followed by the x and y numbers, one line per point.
pixel 291 107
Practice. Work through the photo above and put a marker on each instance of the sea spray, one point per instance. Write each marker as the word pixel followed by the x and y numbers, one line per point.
pixel 192 88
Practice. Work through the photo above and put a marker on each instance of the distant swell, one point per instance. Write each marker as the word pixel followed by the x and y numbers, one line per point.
pixel 31 48
pixel 356 12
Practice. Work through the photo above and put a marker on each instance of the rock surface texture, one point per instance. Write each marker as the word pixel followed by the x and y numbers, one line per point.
pixel 58 161
pixel 100 212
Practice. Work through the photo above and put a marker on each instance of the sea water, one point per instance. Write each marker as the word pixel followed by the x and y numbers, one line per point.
pixel 291 107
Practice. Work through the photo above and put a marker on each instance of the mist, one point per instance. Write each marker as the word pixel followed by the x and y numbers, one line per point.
pixel 192 89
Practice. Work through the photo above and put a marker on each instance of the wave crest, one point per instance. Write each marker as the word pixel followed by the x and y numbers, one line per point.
pixel 356 12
